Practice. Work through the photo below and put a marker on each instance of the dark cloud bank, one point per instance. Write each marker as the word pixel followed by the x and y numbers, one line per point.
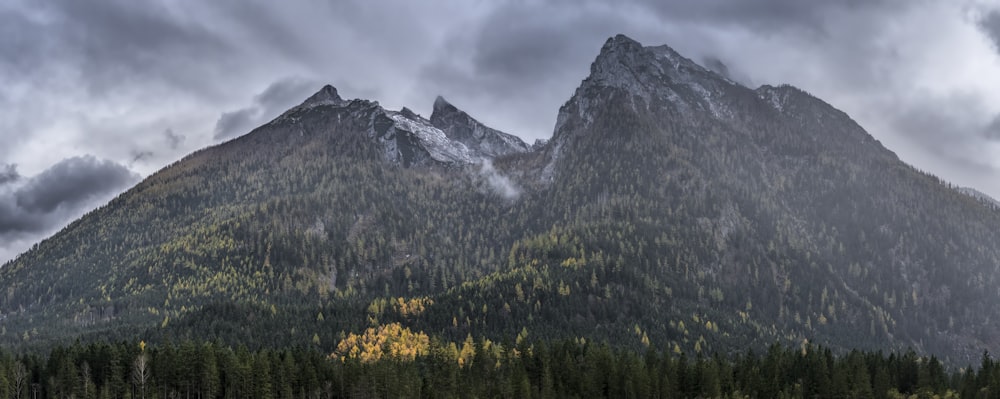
pixel 8 174
pixel 990 23
pixel 44 202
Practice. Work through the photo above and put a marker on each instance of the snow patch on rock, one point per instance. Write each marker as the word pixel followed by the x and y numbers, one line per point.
pixel 432 139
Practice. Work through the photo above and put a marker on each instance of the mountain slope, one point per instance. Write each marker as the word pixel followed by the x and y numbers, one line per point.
pixel 786 204
pixel 330 200
pixel 672 207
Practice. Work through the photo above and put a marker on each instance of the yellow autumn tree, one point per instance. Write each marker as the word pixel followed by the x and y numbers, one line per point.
pixel 411 307
pixel 391 341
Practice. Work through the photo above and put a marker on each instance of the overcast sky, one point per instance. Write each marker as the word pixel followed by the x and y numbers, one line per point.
pixel 96 95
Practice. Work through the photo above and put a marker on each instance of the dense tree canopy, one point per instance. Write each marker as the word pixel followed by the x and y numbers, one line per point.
pixel 557 369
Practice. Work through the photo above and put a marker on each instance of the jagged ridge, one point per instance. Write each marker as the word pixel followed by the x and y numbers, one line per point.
pixel 451 136
pixel 461 127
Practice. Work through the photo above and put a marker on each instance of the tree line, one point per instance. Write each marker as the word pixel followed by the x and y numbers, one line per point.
pixel 432 368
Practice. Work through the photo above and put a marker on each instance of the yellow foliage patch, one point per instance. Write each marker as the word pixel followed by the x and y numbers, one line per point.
pixel 391 341
pixel 412 307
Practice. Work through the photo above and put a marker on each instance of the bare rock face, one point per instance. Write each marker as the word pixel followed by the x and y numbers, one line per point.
pixel 483 140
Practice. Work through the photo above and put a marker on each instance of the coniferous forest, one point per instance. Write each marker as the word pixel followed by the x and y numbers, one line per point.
pixel 400 364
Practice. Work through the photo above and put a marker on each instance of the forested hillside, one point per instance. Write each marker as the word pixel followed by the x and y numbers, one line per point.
pixel 672 208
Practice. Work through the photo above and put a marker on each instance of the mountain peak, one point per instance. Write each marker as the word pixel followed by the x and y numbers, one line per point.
pixel 615 65
pixel 458 125
pixel 442 105
pixel 326 95
pixel 645 75
pixel 617 50
pixel 444 112
pixel 442 108
pixel 624 48
pixel 626 63
pixel 620 41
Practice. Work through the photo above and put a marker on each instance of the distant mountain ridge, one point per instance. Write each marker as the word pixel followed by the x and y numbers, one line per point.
pixel 978 195
pixel 451 136
pixel 672 208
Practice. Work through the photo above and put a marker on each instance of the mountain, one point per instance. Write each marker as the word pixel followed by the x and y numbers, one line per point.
pixel 671 208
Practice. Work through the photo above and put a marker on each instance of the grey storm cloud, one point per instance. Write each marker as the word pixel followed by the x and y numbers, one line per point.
pixel 138 155
pixel 15 223
pixel 8 174
pixel 106 42
pixel 765 15
pixel 72 182
pixel 44 202
pixel 926 122
pixel 990 24
pixel 519 46
pixel 992 130
pixel 277 98
pixel 234 123
pixel 174 140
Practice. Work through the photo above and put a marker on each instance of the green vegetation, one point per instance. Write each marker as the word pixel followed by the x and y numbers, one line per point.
pixel 466 369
